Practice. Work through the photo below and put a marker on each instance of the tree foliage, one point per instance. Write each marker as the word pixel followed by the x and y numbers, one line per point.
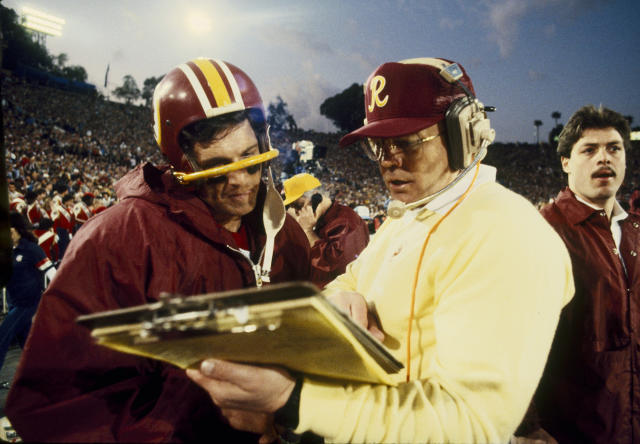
pixel 19 48
pixel 148 87
pixel 537 124
pixel 17 45
pixel 345 109
pixel 278 116
pixel 128 91
pixel 73 72
pixel 553 135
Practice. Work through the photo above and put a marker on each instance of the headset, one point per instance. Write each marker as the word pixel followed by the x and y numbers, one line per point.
pixel 469 131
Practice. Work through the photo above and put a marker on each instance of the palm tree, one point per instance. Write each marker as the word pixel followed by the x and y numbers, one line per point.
pixel 61 59
pixel 538 124
pixel 555 116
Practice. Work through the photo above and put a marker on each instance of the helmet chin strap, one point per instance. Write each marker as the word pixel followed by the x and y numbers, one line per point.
pixel 396 208
pixel 186 178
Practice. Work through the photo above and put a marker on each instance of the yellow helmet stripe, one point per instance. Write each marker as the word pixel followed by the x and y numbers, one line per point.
pixel 197 87
pixel 157 125
pixel 215 82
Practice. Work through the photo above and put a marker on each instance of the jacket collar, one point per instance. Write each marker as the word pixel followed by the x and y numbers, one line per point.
pixel 575 211
pixel 328 215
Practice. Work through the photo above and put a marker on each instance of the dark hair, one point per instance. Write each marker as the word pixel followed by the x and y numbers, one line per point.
pixel 215 128
pixel 590 117
pixel 87 199
pixel 30 196
pixel 21 224
pixel 44 224
pixel 67 197
pixel 60 187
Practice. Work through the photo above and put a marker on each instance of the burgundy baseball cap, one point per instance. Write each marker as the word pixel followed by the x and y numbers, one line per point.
pixel 404 97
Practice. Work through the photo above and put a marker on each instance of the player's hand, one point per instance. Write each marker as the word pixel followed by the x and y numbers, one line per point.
pixel 243 387
pixel 355 305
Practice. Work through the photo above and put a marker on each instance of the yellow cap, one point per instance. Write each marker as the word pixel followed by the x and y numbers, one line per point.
pixel 296 186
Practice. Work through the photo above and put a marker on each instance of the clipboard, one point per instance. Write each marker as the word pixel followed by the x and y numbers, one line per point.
pixel 291 325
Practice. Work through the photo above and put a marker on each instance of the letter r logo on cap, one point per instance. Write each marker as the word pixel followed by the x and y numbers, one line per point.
pixel 377 85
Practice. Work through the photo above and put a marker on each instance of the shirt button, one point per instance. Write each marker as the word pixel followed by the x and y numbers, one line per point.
pixel 615 251
pixel 633 253
pixel 603 214
pixel 636 225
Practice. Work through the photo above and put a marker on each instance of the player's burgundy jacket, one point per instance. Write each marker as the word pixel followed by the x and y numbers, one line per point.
pixel 157 238
pixel 590 390
pixel 343 235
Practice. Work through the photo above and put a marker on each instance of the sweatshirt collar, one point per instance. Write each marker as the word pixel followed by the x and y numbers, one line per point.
pixel 446 200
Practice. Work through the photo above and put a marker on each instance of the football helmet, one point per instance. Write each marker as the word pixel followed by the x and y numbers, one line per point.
pixel 196 90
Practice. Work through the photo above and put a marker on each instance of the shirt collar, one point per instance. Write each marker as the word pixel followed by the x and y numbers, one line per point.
pixel 446 200
pixel 577 209
pixel 618 213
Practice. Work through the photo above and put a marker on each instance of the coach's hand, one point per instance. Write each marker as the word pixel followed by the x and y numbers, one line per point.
pixel 356 307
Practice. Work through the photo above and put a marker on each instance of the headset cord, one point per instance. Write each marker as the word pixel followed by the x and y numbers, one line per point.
pixel 417 273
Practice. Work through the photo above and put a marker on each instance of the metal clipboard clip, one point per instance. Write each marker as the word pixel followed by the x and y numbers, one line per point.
pixel 178 315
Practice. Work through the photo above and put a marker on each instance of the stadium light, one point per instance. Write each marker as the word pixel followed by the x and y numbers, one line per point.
pixel 41 22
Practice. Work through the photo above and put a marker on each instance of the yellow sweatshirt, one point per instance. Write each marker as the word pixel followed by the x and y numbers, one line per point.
pixel 491 286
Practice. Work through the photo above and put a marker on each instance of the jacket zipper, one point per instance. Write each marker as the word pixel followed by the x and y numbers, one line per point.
pixel 257 270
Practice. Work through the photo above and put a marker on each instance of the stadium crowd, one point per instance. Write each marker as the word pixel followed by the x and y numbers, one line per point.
pixel 71 143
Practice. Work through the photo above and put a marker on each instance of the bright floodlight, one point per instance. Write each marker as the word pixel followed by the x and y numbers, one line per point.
pixel 42 22
pixel 198 23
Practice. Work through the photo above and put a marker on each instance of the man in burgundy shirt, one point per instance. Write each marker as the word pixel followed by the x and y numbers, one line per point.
pixel 336 233
pixel 590 391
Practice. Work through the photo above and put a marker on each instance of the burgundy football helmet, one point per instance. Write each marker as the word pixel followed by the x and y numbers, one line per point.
pixel 197 90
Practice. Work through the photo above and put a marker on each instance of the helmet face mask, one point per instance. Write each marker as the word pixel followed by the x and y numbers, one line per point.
pixel 199 90
pixel 215 129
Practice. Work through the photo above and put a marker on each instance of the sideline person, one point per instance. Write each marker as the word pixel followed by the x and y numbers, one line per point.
pixel 336 233
pixel 31 269
pixel 185 229
pixel 466 279
pixel 589 390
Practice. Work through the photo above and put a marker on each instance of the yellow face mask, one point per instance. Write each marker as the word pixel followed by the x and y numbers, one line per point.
pixel 187 178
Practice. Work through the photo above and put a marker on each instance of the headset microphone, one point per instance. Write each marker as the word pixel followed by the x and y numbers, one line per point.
pixel 396 208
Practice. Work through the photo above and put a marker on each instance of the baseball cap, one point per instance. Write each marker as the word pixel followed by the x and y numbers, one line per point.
pixel 404 97
pixel 296 186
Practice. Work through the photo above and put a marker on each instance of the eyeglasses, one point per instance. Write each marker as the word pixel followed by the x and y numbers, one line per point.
pixel 376 147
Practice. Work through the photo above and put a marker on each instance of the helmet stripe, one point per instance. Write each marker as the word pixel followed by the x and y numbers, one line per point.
pixel 215 82
pixel 197 87
pixel 232 82
pixel 157 125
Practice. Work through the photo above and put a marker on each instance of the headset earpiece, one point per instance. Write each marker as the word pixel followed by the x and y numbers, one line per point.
pixel 467 126
pixel 468 129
